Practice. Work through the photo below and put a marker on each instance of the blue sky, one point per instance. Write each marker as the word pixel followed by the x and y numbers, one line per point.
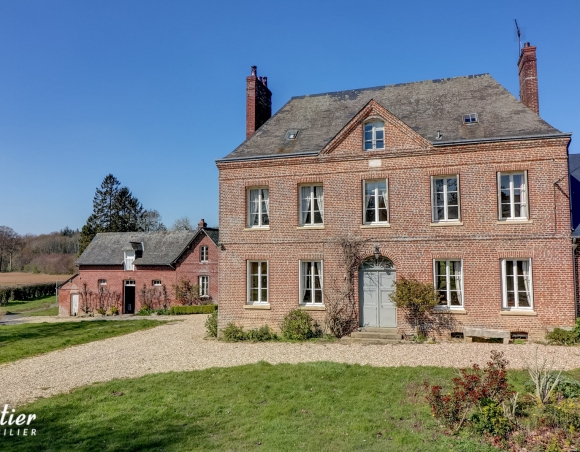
pixel 154 91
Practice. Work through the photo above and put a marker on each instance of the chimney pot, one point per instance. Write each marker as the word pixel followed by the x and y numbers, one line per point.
pixel 202 224
pixel 254 70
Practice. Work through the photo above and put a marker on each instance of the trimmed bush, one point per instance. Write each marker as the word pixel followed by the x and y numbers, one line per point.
pixel 299 326
pixel 203 309
pixel 235 333
pixel 211 324
pixel 261 334
pixel 562 337
pixel 26 293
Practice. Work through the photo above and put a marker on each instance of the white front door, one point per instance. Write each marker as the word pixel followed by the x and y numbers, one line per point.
pixel 375 288
pixel 74 304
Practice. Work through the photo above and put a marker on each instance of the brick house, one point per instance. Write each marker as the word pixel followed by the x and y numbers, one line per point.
pixel 453 182
pixel 124 263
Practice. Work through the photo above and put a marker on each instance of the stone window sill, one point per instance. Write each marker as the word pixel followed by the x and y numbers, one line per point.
pixel 258 229
pixel 257 306
pixel 447 223
pixel 378 225
pixel 308 307
pixel 310 227
pixel 515 222
pixel 514 312
pixel 450 311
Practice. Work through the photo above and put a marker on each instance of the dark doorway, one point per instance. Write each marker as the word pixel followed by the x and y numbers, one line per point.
pixel 129 297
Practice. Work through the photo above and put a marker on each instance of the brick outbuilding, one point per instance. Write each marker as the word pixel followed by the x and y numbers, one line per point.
pixel 453 182
pixel 125 266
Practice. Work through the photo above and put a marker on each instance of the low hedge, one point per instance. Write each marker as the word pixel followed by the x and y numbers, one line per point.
pixel 203 309
pixel 25 293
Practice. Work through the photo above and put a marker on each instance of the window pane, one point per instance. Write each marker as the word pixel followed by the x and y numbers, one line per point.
pixel 454 299
pixel 264 298
pixel 318 296
pixel 452 198
pixel 368 145
pixel 505 211
pixel 442 282
pixel 518 179
pixel 523 299
pixel 317 217
pixel 453 213
pixel 504 182
pixel 452 184
pixel 383 215
pixel 370 216
pixel 369 126
pixel 379 135
pixel 453 283
pixel 264 266
pixel 517 210
pixel 254 295
pixel 440 213
pixel 439 185
pixel 368 136
pixel 254 268
pixel 380 144
pixel 442 297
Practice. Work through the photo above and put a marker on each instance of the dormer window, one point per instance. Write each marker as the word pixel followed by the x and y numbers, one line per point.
pixel 471 118
pixel 374 135
pixel 128 261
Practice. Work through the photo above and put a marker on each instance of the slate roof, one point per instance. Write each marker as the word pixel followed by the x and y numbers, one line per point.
pixel 427 107
pixel 159 248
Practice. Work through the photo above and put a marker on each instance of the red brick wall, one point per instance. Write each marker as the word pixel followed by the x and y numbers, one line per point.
pixel 528 73
pixel 188 267
pixel 410 241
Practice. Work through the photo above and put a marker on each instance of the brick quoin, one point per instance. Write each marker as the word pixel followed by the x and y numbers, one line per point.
pixel 187 267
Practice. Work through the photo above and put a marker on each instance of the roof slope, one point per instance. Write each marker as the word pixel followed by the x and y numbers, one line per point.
pixel 426 107
pixel 159 248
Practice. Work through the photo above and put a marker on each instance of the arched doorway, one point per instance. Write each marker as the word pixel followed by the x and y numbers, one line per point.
pixel 376 278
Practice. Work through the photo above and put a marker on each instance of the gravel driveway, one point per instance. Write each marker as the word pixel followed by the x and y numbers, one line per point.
pixel 180 346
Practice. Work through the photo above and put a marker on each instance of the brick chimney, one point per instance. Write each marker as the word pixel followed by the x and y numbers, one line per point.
pixel 529 78
pixel 202 224
pixel 258 102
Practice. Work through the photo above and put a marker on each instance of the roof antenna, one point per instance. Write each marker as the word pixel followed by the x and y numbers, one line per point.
pixel 519 33
pixel 439 136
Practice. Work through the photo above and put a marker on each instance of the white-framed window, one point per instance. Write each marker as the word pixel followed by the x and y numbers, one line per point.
pixel 470 118
pixel 374 135
pixel 311 283
pixel 513 195
pixel 102 282
pixel 375 201
pixel 257 282
pixel 128 261
pixel 156 282
pixel 445 198
pixel 203 254
pixel 516 277
pixel 311 205
pixel 258 207
pixel 204 286
pixel 130 282
pixel 449 282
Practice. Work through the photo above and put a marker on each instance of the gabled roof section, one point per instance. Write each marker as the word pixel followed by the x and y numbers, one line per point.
pixel 426 107
pixel 375 110
pixel 159 248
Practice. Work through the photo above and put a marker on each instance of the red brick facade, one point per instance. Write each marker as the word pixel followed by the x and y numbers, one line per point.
pixel 189 266
pixel 410 240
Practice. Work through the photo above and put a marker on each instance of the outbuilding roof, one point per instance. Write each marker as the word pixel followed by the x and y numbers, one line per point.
pixel 428 107
pixel 158 248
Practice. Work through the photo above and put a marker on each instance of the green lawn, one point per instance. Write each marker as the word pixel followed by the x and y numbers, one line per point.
pixel 20 341
pixel 44 312
pixel 312 407
pixel 29 307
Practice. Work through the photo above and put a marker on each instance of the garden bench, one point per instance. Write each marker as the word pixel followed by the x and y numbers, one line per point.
pixel 470 332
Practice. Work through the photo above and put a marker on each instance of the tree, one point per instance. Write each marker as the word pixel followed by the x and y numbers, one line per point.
pixel 182 224
pixel 115 209
pixel 151 221
pixel 10 241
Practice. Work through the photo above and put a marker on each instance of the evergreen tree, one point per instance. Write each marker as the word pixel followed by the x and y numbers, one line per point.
pixel 115 209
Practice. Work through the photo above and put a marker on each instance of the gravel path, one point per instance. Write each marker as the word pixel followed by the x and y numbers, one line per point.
pixel 180 346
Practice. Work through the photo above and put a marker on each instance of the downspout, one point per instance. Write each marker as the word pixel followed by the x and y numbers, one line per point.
pixel 575 271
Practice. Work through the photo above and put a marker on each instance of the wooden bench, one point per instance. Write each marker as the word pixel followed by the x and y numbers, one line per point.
pixel 470 332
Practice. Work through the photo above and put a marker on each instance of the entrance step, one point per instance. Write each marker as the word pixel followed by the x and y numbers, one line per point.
pixel 370 335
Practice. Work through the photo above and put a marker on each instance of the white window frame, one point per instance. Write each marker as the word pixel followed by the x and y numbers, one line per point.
pixel 312 289
pixel 129 261
pixel 447 283
pixel 312 197
pixel 102 282
pixel 524 198
pixel 434 218
pixel 364 207
pixel 203 253
pixel 470 118
pixel 156 283
pixel 249 282
pixel 373 123
pixel 260 212
pixel 203 281
pixel 517 307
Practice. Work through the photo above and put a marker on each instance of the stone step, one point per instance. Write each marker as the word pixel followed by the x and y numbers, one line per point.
pixel 367 335
pixel 369 341
pixel 374 329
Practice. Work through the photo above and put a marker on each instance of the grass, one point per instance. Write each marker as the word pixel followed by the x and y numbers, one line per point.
pixel 28 307
pixel 44 312
pixel 21 341
pixel 285 407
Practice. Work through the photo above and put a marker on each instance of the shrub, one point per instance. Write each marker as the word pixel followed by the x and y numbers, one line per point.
pixel 114 310
pixel 297 325
pixel 101 311
pixel 200 309
pixel 145 311
pixel 211 324
pixel 559 336
pixel 26 293
pixel 417 299
pixel 233 333
pixel 474 388
pixel 187 294
pixel 491 420
pixel 261 334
